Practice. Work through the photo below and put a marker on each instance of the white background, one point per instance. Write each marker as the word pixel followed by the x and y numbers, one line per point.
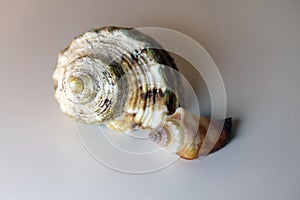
pixel 256 45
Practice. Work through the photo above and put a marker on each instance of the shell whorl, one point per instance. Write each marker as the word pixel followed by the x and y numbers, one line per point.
pixel 161 137
pixel 85 88
pixel 116 76
pixel 179 134
pixel 175 135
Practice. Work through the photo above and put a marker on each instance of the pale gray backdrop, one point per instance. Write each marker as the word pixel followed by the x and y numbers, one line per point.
pixel 256 46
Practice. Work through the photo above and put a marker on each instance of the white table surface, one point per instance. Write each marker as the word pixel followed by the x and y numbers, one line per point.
pixel 256 46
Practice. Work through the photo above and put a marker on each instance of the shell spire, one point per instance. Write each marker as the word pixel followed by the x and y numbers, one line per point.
pixel 161 137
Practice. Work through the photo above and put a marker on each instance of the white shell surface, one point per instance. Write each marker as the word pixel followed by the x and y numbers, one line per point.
pixel 112 76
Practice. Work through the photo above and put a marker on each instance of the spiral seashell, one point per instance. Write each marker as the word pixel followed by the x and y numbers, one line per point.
pixel 111 76
pixel 124 79
pixel 183 133
pixel 161 137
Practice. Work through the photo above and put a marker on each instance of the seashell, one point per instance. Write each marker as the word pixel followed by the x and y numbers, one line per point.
pixel 89 87
pixel 124 79
pixel 183 133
